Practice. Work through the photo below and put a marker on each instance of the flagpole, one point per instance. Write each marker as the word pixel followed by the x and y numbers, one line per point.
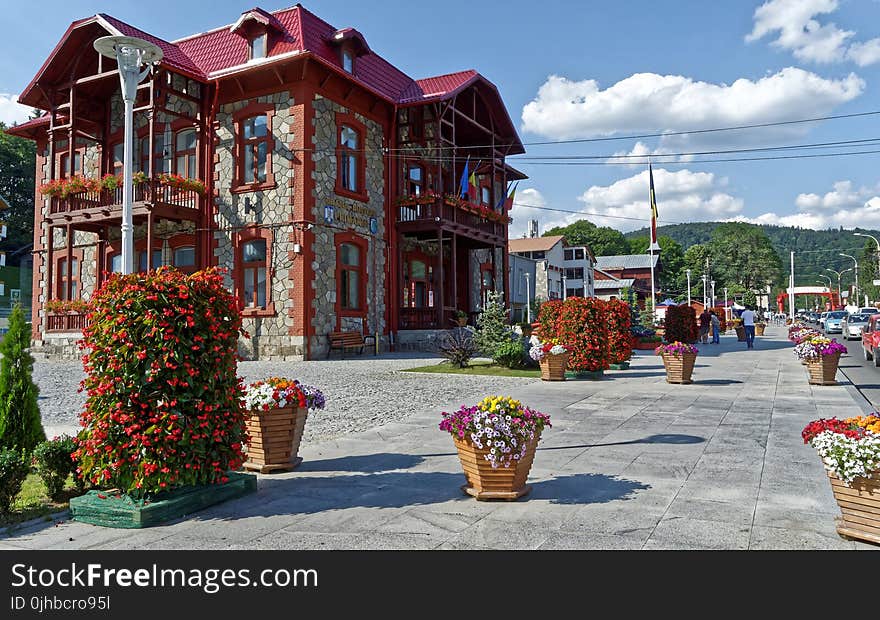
pixel 653 241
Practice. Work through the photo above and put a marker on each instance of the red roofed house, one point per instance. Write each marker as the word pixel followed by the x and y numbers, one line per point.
pixel 331 177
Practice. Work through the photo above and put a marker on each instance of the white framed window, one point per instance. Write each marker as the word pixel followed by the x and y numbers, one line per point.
pixel 257 47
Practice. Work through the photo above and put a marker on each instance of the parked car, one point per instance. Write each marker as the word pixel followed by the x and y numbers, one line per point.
pixel 821 320
pixel 869 311
pixel 813 317
pixel 833 322
pixel 871 340
pixel 853 325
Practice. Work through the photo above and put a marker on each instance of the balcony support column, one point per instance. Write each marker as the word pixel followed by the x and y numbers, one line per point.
pixel 68 285
pixel 149 240
pixel 440 301
pixel 454 274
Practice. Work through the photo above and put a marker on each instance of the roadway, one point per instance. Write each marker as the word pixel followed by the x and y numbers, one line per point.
pixel 862 373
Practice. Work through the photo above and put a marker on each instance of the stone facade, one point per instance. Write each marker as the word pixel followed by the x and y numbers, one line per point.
pixel 268 210
pixel 345 215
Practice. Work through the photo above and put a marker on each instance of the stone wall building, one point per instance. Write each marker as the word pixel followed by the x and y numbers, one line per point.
pixel 339 193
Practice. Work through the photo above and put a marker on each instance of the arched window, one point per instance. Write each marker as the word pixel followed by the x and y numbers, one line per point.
pixel 351 167
pixel 185 153
pixel 351 275
pixel 254 143
pixel 255 148
pixel 348 158
pixel 253 271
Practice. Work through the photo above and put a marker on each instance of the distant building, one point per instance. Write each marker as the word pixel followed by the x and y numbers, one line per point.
pixel 635 267
pixel 608 287
pixel 549 256
pixel 578 264
pixel 521 287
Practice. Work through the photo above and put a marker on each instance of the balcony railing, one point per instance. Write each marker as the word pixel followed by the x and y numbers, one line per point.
pixel 426 318
pixel 439 210
pixel 152 191
pixel 67 321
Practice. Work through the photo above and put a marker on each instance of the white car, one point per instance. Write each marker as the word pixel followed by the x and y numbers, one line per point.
pixel 822 318
pixel 853 325
pixel 868 311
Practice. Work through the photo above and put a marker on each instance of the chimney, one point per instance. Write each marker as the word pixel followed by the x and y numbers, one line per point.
pixel 533 229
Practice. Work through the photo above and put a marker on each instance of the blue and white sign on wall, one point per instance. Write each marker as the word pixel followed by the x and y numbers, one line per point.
pixel 374 225
pixel 328 214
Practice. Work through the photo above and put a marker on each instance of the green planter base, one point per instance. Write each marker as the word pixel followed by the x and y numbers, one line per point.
pixel 102 508
pixel 620 366
pixel 590 375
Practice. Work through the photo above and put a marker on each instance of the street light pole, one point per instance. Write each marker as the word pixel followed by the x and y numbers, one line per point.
pixel 712 301
pixel 839 275
pixel 855 277
pixel 528 299
pixel 878 248
pixel 130 54
pixel 705 294
pixel 688 272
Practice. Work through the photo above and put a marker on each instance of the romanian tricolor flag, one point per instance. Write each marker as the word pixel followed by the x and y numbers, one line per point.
pixel 506 202
pixel 654 244
pixel 473 191
pixel 463 184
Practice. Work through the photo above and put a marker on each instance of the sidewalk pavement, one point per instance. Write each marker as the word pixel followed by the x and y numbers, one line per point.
pixel 631 462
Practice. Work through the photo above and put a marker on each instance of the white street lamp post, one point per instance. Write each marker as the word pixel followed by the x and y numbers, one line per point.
pixel 688 272
pixel 528 299
pixel 855 276
pixel 130 54
pixel 839 274
pixel 878 248
pixel 712 300
pixel 705 293
pixel 564 287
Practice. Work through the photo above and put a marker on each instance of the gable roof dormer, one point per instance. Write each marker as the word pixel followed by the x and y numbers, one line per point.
pixel 256 21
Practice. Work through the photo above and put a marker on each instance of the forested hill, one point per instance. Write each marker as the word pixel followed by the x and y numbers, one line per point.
pixel 815 250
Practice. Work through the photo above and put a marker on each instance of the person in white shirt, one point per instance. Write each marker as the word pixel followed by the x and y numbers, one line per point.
pixel 748 319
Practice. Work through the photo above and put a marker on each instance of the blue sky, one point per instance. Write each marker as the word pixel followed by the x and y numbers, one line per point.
pixel 582 70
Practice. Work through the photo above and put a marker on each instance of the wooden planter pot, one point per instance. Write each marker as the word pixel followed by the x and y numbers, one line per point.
pixel 553 367
pixel 740 333
pixel 859 507
pixel 823 369
pixel 484 482
pixel 759 329
pixel 679 368
pixel 275 436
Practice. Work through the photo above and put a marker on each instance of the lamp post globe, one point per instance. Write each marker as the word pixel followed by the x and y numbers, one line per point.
pixel 130 54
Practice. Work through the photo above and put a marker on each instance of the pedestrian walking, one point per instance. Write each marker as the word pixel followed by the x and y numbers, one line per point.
pixel 748 319
pixel 705 323
pixel 716 327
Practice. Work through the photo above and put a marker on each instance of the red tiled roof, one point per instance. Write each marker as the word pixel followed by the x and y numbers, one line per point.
pixel 298 30
pixel 438 87
pixel 23 130
pixel 172 55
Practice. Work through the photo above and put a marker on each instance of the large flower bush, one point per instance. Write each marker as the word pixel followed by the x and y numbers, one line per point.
pixel 675 348
pixel 581 324
pixel 681 324
pixel 620 340
pixel 278 392
pixel 164 404
pixel 849 448
pixel 818 346
pixel 499 424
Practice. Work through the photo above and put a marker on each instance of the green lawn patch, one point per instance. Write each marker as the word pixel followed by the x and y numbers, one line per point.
pixel 33 502
pixel 478 368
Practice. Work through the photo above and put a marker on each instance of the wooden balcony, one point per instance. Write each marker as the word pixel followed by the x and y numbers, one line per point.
pixel 67 321
pixel 427 318
pixel 105 206
pixel 431 214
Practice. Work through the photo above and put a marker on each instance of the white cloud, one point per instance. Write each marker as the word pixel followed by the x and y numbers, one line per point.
pixel 807 38
pixel 638 155
pixel 648 102
pixel 523 211
pixel 844 206
pixel 682 196
pixel 12 112
pixel 842 196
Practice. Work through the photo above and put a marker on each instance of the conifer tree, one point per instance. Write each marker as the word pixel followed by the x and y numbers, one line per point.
pixel 492 327
pixel 20 425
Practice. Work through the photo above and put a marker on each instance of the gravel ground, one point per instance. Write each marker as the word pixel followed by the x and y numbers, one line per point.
pixel 362 392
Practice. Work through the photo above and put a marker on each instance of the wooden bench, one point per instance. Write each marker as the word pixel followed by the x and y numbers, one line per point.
pixel 347 340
